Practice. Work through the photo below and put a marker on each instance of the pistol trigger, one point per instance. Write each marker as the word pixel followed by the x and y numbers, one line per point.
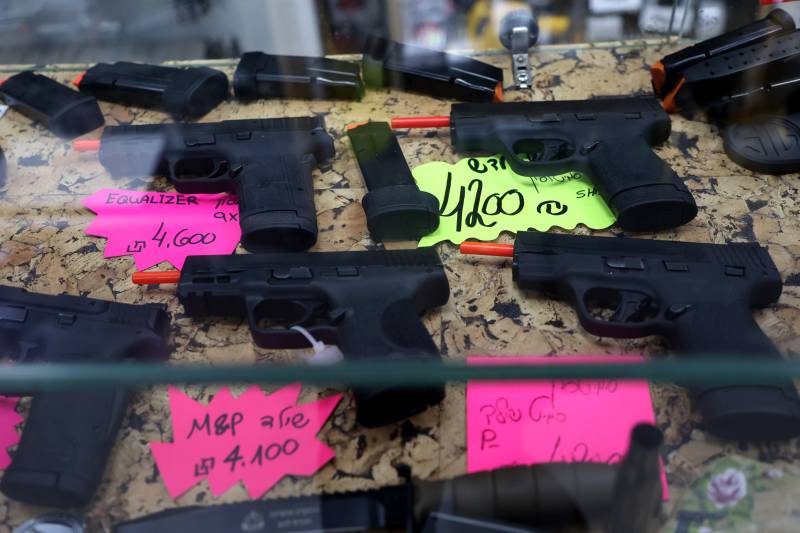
pixel 676 310
pixel 337 315
pixel 310 312
pixel 552 152
pixel 25 347
pixel 631 305
pixel 235 171
pixel 588 147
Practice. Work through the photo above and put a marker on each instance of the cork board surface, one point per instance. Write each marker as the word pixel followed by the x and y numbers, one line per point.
pixel 43 248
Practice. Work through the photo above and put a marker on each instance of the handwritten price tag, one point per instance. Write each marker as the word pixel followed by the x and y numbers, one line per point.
pixel 255 438
pixel 155 227
pixel 479 197
pixel 557 420
pixel 9 420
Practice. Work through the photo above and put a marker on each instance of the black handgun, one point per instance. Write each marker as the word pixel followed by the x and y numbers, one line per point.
pixel 608 139
pixel 367 303
pixel 699 297
pixel 267 162
pixel 68 435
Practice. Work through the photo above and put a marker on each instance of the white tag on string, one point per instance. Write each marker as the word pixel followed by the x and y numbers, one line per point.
pixel 323 353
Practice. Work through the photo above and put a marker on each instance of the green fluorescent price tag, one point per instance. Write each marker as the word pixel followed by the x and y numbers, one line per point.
pixel 480 197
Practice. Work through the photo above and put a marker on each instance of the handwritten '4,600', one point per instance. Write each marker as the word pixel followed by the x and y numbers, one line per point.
pixel 182 237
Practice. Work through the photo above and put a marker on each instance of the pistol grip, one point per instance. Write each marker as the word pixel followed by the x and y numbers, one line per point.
pixel 640 188
pixel 64 447
pixel 393 331
pixel 276 203
pixel 747 411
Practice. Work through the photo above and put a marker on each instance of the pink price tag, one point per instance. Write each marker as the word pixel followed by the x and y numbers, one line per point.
pixel 159 226
pixel 9 420
pixel 255 438
pixel 529 422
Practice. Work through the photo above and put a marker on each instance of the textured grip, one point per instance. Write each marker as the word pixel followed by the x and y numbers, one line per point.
pixel 640 188
pixel 276 203
pixel 389 331
pixel 550 494
pixel 752 412
pixel 64 447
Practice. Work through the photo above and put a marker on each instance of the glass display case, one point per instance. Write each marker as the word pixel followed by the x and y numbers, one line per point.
pixel 442 265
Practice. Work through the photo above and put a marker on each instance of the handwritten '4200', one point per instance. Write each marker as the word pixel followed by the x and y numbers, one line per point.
pixel 510 202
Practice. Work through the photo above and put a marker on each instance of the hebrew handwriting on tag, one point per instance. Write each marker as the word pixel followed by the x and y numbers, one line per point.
pixel 479 197
pixel 562 420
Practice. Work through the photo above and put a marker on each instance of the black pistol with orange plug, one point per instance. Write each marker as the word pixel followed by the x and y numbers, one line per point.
pixel 268 163
pixel 368 303
pixel 608 139
pixel 699 297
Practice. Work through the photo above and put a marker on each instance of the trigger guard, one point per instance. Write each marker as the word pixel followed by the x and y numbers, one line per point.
pixel 286 338
pixel 325 332
pixel 300 313
pixel 546 142
pixel 604 328
pixel 511 156
pixel 219 169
